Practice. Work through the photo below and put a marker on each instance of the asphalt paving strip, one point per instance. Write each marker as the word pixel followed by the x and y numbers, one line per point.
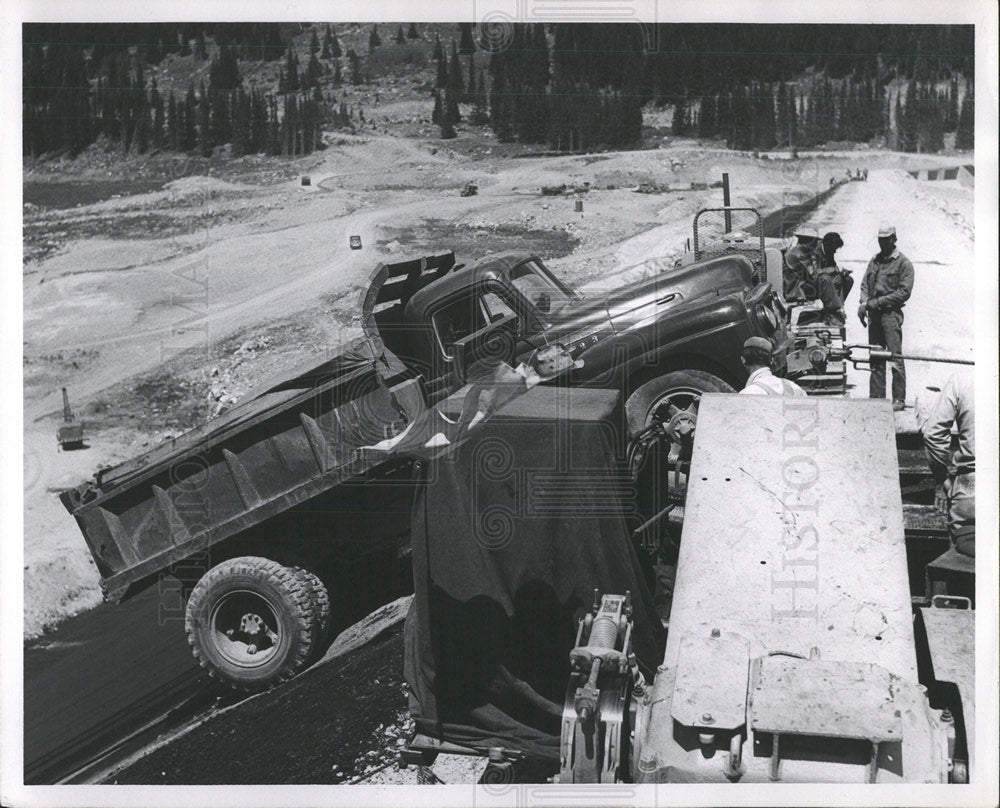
pixel 318 728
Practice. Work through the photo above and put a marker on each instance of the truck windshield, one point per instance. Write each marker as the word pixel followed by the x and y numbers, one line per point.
pixel 538 288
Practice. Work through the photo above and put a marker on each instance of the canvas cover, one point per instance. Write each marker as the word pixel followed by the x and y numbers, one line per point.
pixel 512 531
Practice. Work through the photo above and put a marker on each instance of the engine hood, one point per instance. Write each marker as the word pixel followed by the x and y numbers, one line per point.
pixel 635 302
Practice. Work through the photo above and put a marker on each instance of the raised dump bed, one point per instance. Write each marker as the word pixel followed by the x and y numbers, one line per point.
pixel 267 455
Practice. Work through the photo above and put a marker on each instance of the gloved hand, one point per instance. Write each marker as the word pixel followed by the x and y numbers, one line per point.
pixel 863 314
pixel 873 304
pixel 941 499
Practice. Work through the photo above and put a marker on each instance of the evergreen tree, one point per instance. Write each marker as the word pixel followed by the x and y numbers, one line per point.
pixel 793 119
pixel 442 65
pixel 680 110
pixel 140 113
pixel 951 117
pixel 288 81
pixel 190 119
pixel 707 126
pixel 900 123
pixel 411 32
pixel 400 36
pixel 480 110
pixel 910 134
pixel 374 40
pixel 159 128
pixel 313 72
pixel 932 123
pixel 782 116
pixel 355 62
pixel 335 46
pixel 204 124
pixel 314 43
pixel 446 120
pixel 290 127
pixel 453 86
pixel 337 78
pixel 173 129
pixel 965 133
pixel 327 45
pixel 467 47
pixel 200 52
pixel 470 88
pixel 273 127
pixel 438 110
pixel 240 124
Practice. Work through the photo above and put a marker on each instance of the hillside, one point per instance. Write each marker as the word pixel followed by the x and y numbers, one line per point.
pixel 279 89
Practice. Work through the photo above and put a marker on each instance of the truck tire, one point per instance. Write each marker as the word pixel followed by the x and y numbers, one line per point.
pixel 250 622
pixel 680 388
pixel 321 617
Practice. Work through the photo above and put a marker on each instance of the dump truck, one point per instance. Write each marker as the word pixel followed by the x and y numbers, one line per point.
pixel 257 511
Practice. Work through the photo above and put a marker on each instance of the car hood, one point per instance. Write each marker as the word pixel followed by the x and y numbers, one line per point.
pixel 635 302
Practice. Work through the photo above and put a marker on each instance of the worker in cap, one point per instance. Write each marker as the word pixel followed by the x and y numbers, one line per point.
pixel 756 358
pixel 800 265
pixel 887 285
pixel 833 283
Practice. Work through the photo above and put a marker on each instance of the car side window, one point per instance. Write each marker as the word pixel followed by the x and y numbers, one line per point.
pixel 496 306
pixel 457 320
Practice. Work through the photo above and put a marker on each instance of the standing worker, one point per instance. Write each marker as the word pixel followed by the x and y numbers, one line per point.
pixel 954 466
pixel 756 358
pixel 886 287
pixel 800 265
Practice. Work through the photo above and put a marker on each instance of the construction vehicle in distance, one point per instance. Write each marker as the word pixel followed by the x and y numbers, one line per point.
pixel 70 432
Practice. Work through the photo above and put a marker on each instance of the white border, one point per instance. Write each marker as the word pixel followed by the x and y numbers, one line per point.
pixel 982 13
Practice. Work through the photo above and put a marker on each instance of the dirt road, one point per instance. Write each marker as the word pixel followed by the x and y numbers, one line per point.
pixel 934 224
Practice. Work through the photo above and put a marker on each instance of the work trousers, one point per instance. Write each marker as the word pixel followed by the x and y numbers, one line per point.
pixel 961 491
pixel 885 328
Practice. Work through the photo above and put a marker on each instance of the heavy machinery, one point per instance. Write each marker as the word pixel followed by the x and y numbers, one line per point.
pixel 792 654
pixel 70 432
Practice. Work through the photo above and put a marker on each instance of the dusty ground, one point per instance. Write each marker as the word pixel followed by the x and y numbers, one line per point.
pixel 159 301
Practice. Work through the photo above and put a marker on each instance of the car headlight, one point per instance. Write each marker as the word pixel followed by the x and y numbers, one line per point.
pixel 766 318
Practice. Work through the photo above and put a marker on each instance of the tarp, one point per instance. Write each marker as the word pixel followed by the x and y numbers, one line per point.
pixel 512 531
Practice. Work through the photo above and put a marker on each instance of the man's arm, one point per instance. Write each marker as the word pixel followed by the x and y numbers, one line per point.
pixel 863 303
pixel 937 431
pixel 898 296
pixel 864 283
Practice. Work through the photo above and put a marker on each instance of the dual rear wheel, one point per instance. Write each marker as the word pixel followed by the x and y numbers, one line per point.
pixel 253 622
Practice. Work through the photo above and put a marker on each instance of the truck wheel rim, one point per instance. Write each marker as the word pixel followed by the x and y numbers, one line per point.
pixel 244 628
pixel 677 410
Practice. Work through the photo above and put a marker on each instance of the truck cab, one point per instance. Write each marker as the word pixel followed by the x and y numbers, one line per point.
pixel 441 320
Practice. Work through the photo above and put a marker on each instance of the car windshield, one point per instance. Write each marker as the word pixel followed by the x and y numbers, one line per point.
pixel 538 289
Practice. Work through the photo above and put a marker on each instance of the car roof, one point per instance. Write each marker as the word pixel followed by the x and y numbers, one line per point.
pixel 490 267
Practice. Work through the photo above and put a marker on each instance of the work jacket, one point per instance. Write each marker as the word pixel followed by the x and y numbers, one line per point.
pixel 954 407
pixel 888 282
pixel 763 382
